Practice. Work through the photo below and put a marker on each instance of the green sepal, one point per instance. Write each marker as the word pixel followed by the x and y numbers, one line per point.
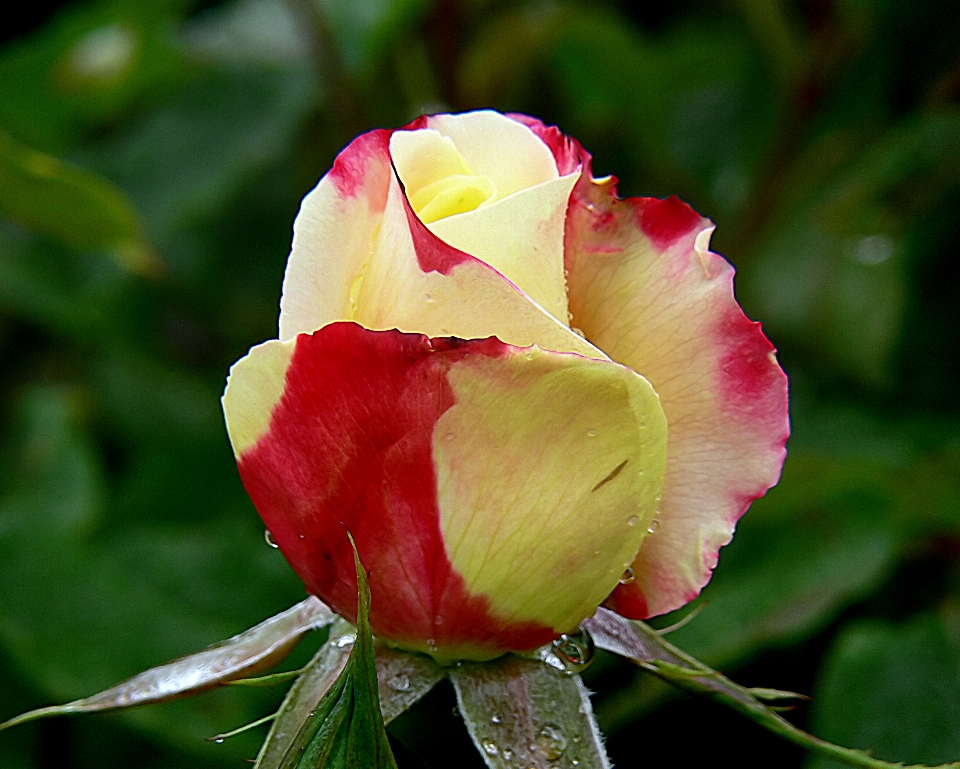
pixel 346 729
pixel 252 651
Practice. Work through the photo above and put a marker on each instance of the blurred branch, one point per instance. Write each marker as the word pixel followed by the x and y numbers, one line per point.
pixel 341 99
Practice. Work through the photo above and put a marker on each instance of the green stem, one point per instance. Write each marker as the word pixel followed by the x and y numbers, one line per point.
pixel 650 651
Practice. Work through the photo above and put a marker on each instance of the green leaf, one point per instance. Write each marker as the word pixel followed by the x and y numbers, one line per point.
pixel 87 66
pixel 832 274
pixel 245 654
pixel 893 689
pixel 346 728
pixel 71 206
pixel 525 712
pixel 182 161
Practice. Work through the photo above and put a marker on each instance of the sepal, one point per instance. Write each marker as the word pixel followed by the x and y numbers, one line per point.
pixel 523 712
pixel 243 655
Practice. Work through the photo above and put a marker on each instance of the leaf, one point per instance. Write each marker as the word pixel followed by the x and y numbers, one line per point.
pixel 257 649
pixel 183 160
pixel 87 66
pixel 523 712
pixel 832 274
pixel 71 206
pixel 891 688
pixel 346 728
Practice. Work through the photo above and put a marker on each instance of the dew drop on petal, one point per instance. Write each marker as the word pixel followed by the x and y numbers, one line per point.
pixel 627 577
pixel 490 748
pixel 219 740
pixel 495 719
pixel 654 525
pixel 574 650
pixel 578 332
pixel 632 520
pixel 592 432
pixel 269 538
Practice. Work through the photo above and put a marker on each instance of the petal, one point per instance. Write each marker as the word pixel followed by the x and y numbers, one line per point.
pixel 332 236
pixel 358 441
pixel 360 253
pixel 504 150
pixel 645 288
pixel 549 470
pixel 522 238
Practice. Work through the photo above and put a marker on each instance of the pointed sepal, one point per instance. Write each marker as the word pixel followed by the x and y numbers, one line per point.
pixel 248 653
pixel 346 728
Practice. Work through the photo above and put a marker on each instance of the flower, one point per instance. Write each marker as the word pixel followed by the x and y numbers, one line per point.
pixel 521 395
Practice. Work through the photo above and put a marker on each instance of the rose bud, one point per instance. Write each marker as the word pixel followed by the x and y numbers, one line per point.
pixel 522 395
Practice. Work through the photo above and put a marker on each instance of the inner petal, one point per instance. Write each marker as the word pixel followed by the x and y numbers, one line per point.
pixel 455 194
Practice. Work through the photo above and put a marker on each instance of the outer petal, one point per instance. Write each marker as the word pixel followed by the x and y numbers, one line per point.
pixel 645 288
pixel 495 493
pixel 360 253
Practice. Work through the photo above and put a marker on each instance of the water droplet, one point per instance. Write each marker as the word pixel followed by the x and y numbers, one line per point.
pixel 575 651
pixel 269 538
pixel 495 719
pixel 575 762
pixel 303 536
pixel 507 754
pixel 569 314
pixel 490 748
pixel 627 577
pixel 399 683
pixel 654 525
pixel 592 432
pixel 551 742
pixel 354 294
pixel 578 332
pixel 438 620
pixel 104 53
pixel 455 711
pixel 528 356
pixel 632 520
pixel 429 297
pixel 345 640
pixel 448 436
pixel 218 740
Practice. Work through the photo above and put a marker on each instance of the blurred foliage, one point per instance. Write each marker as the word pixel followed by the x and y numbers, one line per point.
pixel 152 158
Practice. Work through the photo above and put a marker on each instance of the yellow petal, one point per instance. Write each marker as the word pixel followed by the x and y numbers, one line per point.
pixel 549 470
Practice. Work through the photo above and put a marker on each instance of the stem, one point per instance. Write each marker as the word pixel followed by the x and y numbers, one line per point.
pixel 650 651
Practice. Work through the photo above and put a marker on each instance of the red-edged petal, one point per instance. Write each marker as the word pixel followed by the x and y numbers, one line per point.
pixel 645 289
pixel 360 253
pixel 455 465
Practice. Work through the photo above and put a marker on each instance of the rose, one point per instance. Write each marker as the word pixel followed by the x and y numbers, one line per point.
pixel 489 370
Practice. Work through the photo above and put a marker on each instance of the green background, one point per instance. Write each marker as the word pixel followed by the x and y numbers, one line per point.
pixel 153 154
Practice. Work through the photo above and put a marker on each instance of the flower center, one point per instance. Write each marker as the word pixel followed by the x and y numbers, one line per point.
pixel 451 195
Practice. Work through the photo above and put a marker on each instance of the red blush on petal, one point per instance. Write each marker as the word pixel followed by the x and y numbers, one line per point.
pixel 433 254
pixel 350 447
pixel 665 221
pixel 350 166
